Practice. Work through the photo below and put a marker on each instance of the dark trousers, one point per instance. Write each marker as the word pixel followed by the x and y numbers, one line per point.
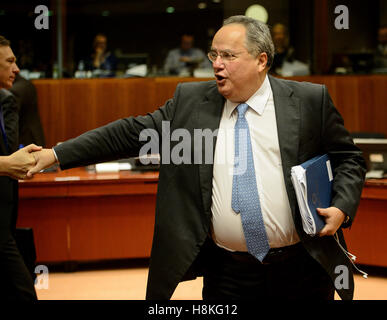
pixel 239 276
pixel 16 282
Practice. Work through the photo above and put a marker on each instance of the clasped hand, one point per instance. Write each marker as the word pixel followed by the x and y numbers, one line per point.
pixel 20 162
pixel 24 163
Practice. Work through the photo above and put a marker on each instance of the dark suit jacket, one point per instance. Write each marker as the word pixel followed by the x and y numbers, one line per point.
pixel 8 186
pixel 308 125
pixel 30 127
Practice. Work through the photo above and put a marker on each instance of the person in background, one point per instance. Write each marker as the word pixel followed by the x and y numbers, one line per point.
pixel 30 127
pixel 102 62
pixel 183 60
pixel 380 56
pixel 283 51
pixel 285 63
pixel 16 281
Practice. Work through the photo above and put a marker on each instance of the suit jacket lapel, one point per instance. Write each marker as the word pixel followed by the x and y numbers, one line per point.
pixel 208 117
pixel 287 110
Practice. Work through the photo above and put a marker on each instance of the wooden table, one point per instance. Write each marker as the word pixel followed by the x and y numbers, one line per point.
pixel 82 216
pixel 367 238
pixel 78 215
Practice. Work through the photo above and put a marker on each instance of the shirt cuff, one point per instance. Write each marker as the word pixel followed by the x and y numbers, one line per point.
pixel 56 157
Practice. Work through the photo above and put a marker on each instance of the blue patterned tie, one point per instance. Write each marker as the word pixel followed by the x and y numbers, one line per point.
pixel 245 197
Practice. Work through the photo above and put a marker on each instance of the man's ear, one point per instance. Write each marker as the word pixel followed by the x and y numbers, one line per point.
pixel 262 61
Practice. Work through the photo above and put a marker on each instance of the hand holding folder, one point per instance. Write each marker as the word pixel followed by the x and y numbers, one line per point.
pixel 312 181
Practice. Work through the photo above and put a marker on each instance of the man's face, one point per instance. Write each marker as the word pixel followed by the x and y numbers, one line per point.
pixel 100 42
pixel 279 37
pixel 239 77
pixel 8 67
pixel 186 42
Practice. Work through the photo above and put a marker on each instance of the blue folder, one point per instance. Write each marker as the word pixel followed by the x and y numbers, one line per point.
pixel 313 183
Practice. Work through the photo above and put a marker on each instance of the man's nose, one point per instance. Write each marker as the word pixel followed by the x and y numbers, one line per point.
pixel 16 69
pixel 218 62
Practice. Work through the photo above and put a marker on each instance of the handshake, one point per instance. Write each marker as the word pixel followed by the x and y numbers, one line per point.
pixel 24 163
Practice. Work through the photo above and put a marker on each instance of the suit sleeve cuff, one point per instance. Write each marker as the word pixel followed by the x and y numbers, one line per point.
pixel 347 222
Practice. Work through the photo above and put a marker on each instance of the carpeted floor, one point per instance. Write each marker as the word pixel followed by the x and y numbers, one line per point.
pixel 130 284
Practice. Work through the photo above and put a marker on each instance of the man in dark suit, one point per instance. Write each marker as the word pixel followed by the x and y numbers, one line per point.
pixel 197 230
pixel 16 283
pixel 30 127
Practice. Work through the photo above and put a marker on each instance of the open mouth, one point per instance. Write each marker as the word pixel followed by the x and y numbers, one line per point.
pixel 219 78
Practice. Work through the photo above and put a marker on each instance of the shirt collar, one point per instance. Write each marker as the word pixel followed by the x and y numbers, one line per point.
pixel 257 101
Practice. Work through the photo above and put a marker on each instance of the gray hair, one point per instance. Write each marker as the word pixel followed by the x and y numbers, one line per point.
pixel 258 37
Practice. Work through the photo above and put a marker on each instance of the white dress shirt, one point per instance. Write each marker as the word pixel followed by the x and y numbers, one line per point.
pixel 227 230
